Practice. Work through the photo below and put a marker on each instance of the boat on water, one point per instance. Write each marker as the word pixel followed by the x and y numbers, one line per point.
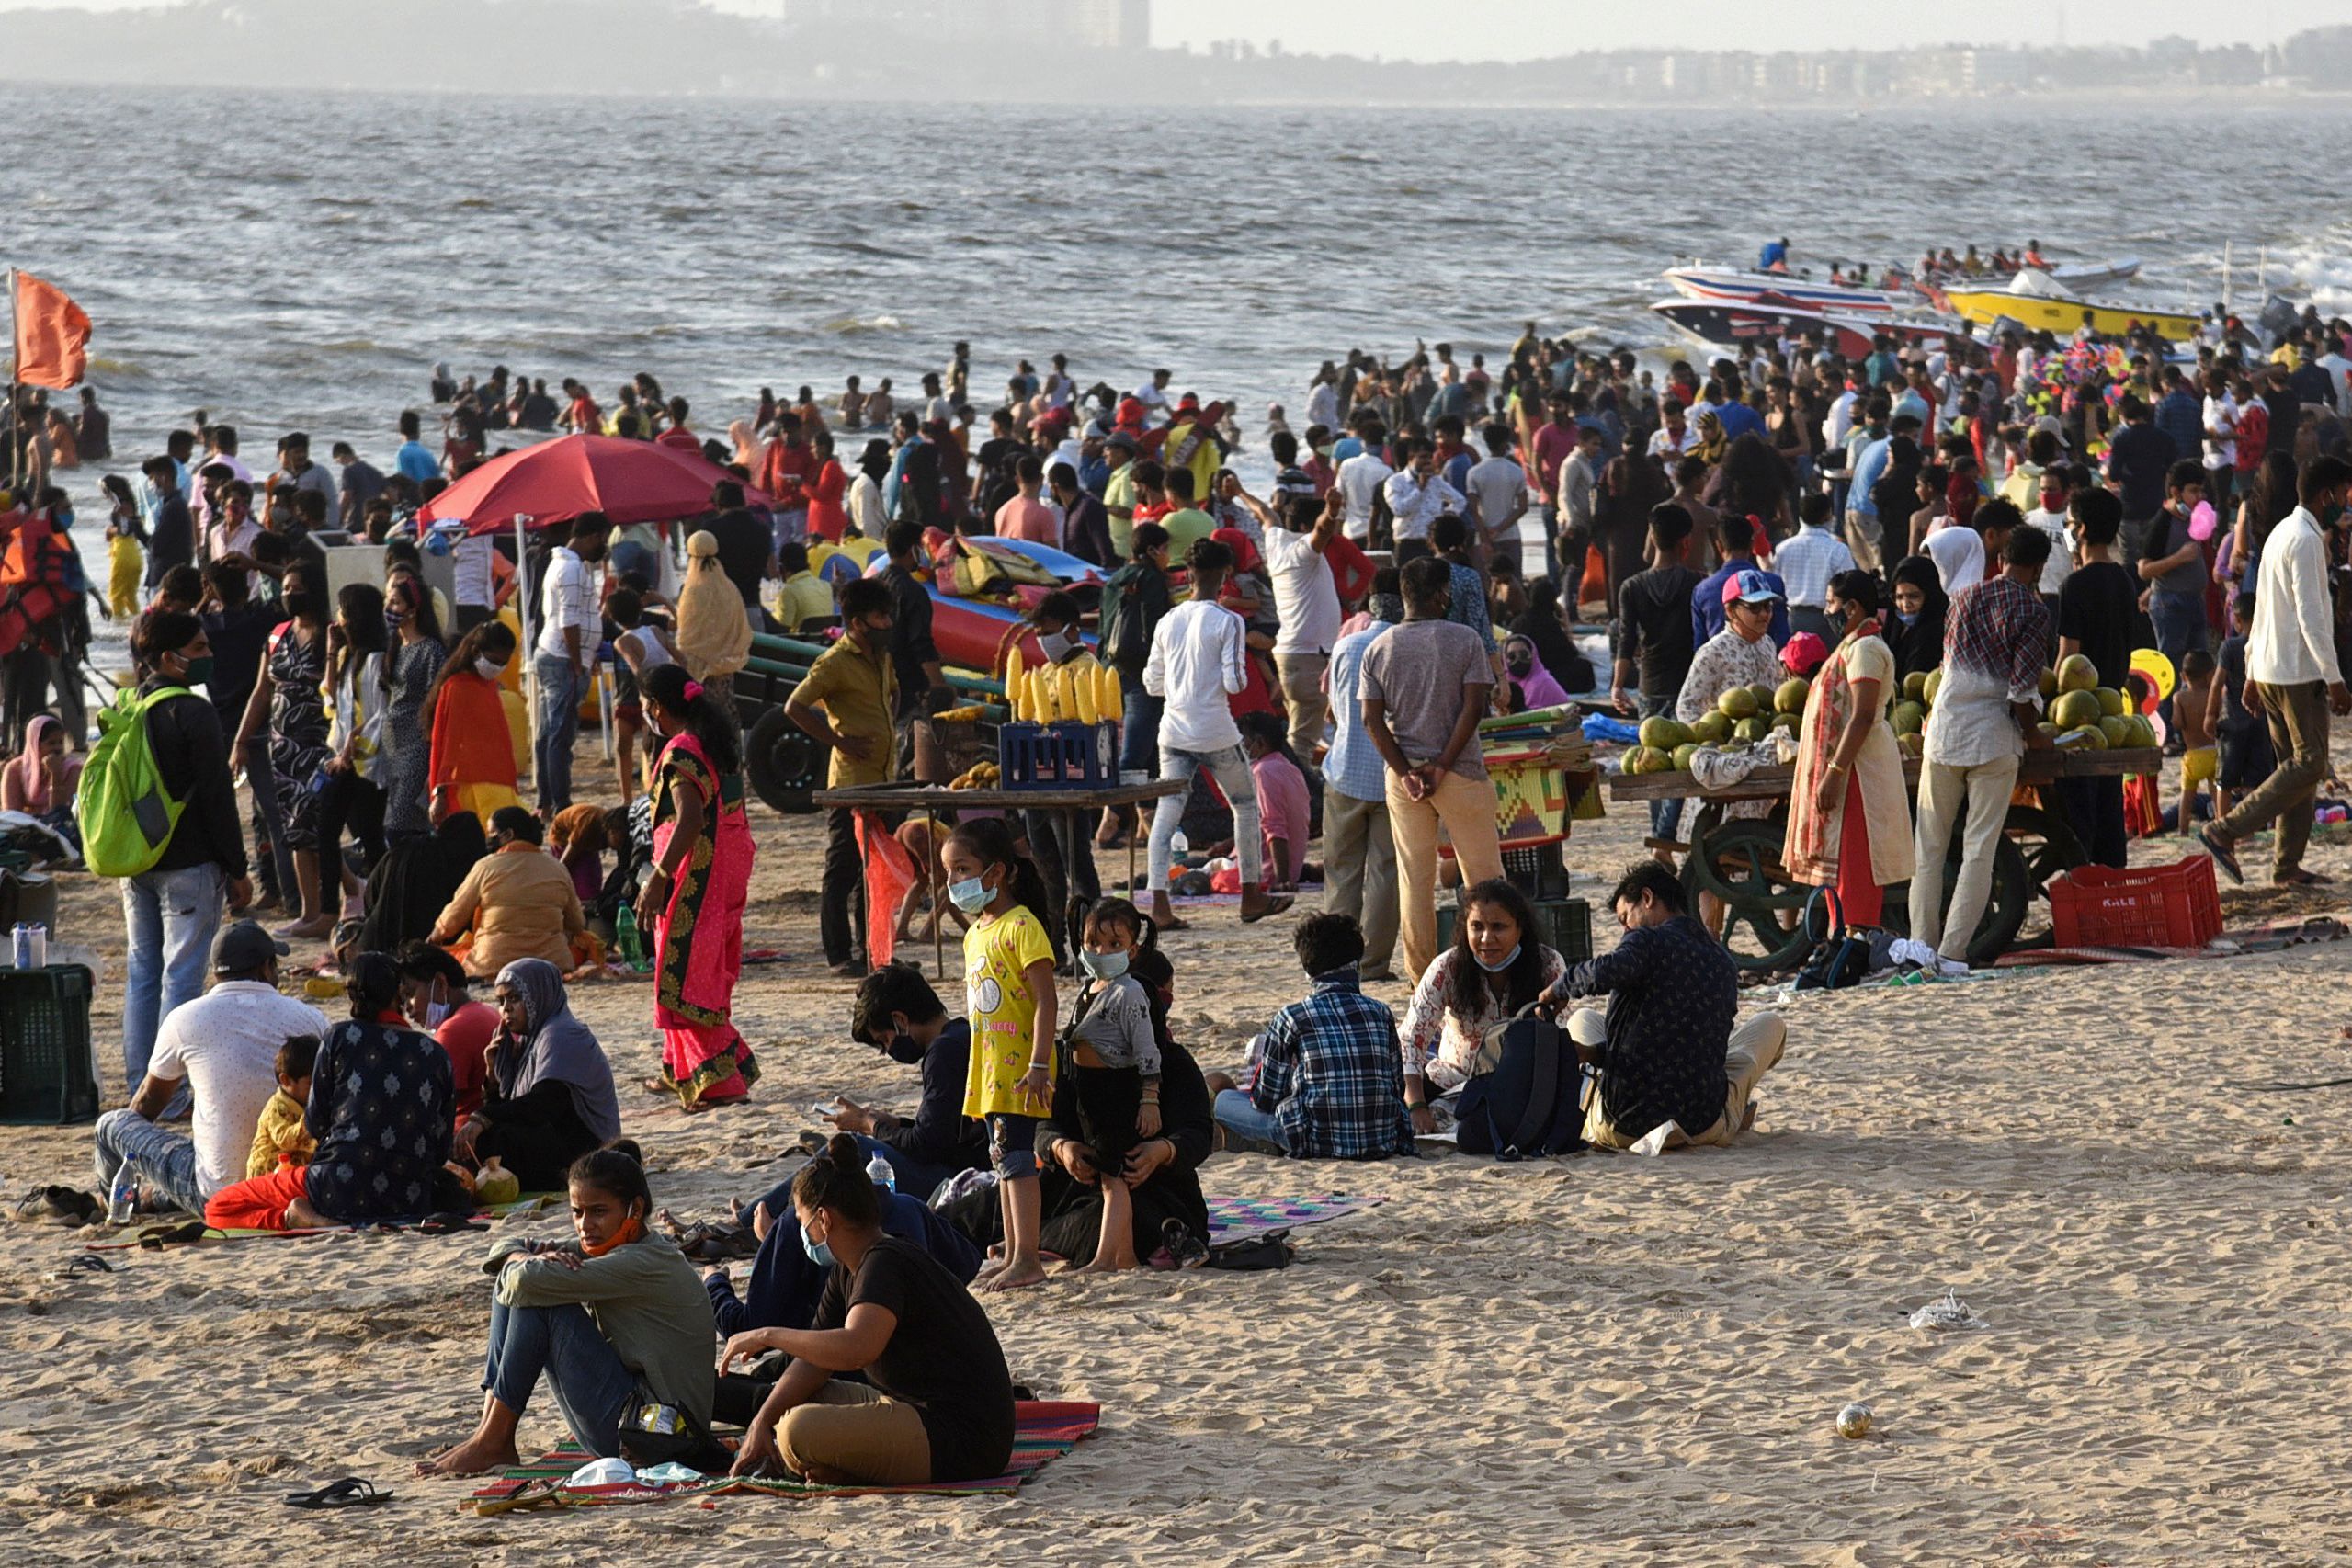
pixel 1772 319
pixel 1731 284
pixel 2043 302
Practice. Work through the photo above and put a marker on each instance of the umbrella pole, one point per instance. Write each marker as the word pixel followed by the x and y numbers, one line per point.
pixel 603 711
pixel 523 620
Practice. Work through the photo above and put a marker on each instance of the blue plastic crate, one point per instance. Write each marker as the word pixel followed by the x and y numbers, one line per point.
pixel 1066 756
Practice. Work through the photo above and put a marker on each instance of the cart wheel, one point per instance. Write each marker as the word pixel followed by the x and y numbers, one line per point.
pixel 2005 905
pixel 2046 843
pixel 1739 862
pixel 781 761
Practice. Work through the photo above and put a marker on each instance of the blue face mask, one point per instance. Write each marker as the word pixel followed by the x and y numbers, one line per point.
pixel 819 1253
pixel 971 895
pixel 1903 620
pixel 1509 959
pixel 1104 966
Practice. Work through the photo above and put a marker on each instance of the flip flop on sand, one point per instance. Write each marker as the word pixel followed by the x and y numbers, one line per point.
pixel 2223 855
pixel 348 1492
pixel 81 1265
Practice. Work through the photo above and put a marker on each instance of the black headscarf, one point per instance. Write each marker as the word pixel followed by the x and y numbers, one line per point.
pixel 1920 645
pixel 409 887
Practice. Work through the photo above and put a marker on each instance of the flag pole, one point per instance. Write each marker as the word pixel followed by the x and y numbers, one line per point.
pixel 16 357
pixel 523 620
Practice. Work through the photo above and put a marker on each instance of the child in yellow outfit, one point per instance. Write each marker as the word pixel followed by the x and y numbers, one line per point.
pixel 2200 764
pixel 1010 1002
pixel 280 1138
pixel 125 563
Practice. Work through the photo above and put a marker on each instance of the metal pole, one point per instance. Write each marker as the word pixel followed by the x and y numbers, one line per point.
pixel 2226 258
pixel 16 358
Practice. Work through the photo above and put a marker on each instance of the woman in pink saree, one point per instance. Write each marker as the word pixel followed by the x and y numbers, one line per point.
pixel 693 898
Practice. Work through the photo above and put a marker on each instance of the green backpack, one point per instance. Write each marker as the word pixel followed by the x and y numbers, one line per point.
pixel 126 814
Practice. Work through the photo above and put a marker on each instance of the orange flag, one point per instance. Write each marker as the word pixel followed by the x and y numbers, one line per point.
pixel 52 335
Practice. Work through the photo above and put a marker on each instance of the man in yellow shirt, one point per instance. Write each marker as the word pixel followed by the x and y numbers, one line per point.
pixel 855 686
pixel 807 597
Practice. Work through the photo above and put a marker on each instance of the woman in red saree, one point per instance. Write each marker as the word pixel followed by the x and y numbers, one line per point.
pixel 693 898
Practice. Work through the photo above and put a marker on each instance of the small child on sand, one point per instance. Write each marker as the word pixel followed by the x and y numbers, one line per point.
pixel 1114 1060
pixel 280 1138
pixel 2200 764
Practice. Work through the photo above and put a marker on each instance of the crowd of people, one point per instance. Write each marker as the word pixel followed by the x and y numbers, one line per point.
pixel 1310 664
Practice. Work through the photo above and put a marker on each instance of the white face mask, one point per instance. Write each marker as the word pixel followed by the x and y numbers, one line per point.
pixel 1056 644
pixel 490 669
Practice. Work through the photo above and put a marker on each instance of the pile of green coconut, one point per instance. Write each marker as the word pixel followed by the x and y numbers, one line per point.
pixel 2079 712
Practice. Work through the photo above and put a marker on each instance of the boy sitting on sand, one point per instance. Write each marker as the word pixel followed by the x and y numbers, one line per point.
pixel 280 1138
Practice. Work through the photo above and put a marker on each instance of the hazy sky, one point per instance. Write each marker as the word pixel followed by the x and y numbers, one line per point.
pixel 1487 30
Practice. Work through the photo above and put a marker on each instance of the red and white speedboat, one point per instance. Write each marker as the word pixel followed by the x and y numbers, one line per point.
pixel 1726 285
pixel 1772 318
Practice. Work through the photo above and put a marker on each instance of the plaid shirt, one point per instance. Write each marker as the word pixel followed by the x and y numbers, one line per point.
pixel 1995 638
pixel 1331 1076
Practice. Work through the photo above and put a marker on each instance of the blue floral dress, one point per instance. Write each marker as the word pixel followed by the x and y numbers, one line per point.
pixel 380 1109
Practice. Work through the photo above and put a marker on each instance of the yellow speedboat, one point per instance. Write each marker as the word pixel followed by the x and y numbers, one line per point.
pixel 2043 305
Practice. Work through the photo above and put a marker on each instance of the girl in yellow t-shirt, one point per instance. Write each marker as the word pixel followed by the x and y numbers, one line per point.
pixel 1010 1002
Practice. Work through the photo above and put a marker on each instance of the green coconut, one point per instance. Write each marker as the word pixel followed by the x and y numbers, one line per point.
pixel 1914 686
pixel 1711 728
pixel 1751 729
pixel 1738 703
pixel 1935 684
pixel 2073 710
pixel 1683 754
pixel 2111 703
pixel 2089 736
pixel 1663 734
pixel 2076 673
pixel 2118 731
pixel 1791 698
pixel 1910 718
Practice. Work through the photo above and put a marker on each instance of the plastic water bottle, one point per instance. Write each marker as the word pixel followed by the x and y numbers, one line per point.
pixel 1178 845
pixel 882 1173
pixel 123 1202
pixel 625 936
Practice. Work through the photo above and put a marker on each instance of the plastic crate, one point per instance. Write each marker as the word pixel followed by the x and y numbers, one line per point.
pixel 1064 755
pixel 1566 925
pixel 47 1074
pixel 1541 872
pixel 2154 907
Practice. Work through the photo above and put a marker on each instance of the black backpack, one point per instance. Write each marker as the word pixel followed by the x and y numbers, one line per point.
pixel 1525 1096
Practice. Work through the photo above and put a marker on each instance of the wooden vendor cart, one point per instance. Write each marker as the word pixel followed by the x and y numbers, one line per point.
pixel 1737 860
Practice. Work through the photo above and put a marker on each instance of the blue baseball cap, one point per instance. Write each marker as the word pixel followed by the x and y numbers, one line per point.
pixel 1750 586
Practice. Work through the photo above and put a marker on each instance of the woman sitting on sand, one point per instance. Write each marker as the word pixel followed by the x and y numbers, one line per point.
pixel 937 1404
pixel 1494 967
pixel 646 1344
pixel 549 1098
pixel 379 1111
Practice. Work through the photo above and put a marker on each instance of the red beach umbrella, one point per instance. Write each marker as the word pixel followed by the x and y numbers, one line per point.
pixel 630 482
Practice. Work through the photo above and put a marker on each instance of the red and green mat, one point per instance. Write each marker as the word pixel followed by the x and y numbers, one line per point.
pixel 1043 1431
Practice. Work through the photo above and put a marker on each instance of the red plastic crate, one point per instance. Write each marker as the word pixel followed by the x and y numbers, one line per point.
pixel 2154 907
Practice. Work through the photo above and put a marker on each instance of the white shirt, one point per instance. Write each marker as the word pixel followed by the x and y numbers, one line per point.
pixel 1807 560
pixel 225 1044
pixel 1155 402
pixel 567 596
pixel 1306 600
pixel 1577 481
pixel 1323 405
pixel 1360 477
pixel 1971 723
pixel 2339 371
pixel 866 506
pixel 470 570
pixel 2222 414
pixel 1416 505
pixel 2293 639
pixel 1196 664
pixel 1958 551
pixel 2061 565
pixel 1665 443
pixel 1840 422
pixel 1496 486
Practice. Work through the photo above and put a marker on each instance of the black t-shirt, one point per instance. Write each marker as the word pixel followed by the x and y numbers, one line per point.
pixel 942 1358
pixel 2094 609
pixel 744 549
pixel 1654 606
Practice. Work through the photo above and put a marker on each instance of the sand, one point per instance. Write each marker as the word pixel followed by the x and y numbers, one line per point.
pixel 1603 1357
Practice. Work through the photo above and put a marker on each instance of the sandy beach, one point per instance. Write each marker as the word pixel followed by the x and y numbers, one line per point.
pixel 1550 1362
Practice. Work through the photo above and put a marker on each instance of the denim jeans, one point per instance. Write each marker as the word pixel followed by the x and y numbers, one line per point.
pixel 1247 1128
pixel 555 725
pixel 2179 620
pixel 1138 735
pixel 1230 768
pixel 162 1161
pixel 592 1387
pixel 171 917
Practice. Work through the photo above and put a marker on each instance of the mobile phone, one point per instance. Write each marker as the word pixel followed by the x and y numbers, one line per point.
pixel 827 1109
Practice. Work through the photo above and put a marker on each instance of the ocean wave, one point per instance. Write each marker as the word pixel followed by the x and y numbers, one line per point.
pixel 858 326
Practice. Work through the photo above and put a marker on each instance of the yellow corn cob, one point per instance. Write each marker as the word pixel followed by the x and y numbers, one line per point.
pixel 1086 691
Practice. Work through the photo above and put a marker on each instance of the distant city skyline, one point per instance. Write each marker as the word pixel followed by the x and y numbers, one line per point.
pixel 1528 29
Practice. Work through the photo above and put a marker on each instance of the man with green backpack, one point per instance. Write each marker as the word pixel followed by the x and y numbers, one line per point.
pixel 158 810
